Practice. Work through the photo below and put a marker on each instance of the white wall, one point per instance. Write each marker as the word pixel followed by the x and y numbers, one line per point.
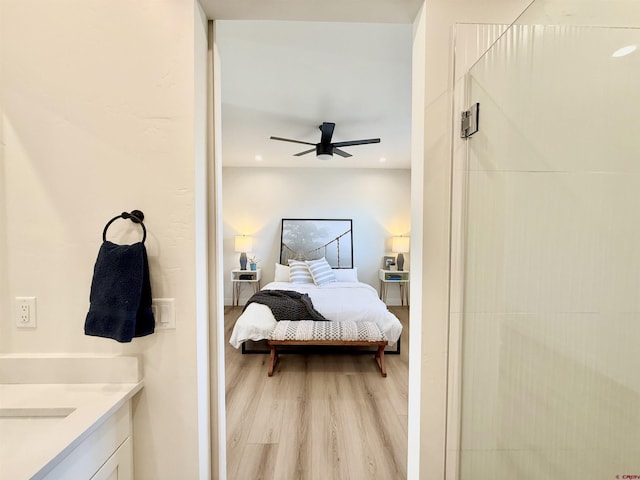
pixel 4 274
pixel 440 17
pixel 98 107
pixel 256 199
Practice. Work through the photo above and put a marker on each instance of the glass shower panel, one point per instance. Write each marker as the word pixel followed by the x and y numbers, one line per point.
pixel 551 322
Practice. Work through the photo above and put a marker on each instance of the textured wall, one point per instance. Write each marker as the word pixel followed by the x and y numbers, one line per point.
pixel 98 110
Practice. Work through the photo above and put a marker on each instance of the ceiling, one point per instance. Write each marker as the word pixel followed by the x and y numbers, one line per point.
pixel 286 78
pixel 289 65
pixel 370 11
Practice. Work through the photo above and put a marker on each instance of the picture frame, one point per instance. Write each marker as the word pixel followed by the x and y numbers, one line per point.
pixel 313 238
pixel 388 262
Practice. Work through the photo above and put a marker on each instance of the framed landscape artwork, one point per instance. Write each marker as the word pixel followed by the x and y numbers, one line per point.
pixel 309 239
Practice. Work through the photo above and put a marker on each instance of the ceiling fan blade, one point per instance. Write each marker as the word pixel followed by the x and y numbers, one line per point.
pixel 305 152
pixel 327 132
pixel 356 142
pixel 289 140
pixel 342 153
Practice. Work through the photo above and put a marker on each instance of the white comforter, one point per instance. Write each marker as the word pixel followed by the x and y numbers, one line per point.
pixel 337 301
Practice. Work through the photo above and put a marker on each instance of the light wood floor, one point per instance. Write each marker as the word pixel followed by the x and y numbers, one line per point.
pixel 322 416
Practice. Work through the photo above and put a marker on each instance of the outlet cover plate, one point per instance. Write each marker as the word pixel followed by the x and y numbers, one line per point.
pixel 26 312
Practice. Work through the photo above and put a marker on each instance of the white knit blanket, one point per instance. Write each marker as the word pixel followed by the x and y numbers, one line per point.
pixel 361 331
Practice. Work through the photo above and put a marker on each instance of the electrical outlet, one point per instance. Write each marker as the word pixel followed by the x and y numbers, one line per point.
pixel 26 312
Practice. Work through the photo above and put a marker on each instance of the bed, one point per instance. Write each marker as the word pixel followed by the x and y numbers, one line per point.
pixel 335 308
pixel 337 301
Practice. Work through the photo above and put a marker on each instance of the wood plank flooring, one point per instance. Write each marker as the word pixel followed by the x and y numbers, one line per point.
pixel 320 417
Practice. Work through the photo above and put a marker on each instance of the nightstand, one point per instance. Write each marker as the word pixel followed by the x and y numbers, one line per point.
pixel 400 277
pixel 241 277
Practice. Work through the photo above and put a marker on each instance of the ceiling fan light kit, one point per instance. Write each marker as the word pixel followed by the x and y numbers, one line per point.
pixel 324 152
pixel 325 149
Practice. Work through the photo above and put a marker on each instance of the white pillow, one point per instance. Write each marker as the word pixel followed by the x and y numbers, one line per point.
pixel 299 272
pixel 282 273
pixel 346 274
pixel 321 271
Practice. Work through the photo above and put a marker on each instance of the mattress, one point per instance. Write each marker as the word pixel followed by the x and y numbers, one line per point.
pixel 336 301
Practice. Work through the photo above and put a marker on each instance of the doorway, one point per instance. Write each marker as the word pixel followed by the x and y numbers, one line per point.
pixel 266 181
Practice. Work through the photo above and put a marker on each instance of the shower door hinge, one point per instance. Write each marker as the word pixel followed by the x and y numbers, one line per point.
pixel 469 121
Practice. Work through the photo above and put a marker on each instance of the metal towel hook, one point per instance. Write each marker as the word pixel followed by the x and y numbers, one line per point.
pixel 136 216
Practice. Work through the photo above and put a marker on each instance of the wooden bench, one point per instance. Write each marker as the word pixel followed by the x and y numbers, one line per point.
pixel 311 333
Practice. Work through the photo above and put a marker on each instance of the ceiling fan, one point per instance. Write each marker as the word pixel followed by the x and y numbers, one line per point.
pixel 325 149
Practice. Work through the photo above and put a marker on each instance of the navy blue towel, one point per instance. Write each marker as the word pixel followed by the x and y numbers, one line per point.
pixel 120 294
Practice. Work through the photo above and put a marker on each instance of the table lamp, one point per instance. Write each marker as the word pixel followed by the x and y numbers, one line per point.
pixel 243 244
pixel 400 245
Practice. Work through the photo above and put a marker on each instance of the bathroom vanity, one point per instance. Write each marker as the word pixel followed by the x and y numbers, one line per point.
pixel 67 417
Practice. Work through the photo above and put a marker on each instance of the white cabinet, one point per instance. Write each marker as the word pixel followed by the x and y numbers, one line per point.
pixel 119 466
pixel 105 454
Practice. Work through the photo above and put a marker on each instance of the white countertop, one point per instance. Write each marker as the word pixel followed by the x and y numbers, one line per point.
pixel 31 446
pixel 50 403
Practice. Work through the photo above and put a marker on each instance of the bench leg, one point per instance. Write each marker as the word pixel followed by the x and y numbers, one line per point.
pixel 380 360
pixel 273 362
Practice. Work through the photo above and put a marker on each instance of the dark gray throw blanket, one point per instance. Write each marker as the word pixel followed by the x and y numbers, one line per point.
pixel 286 305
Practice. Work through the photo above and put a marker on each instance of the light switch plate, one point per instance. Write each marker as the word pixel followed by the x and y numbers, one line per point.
pixel 164 313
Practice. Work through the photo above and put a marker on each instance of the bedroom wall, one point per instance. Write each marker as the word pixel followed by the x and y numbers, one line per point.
pixel 256 199
pixel 100 115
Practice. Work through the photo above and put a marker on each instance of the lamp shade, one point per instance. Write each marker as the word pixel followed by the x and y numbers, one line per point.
pixel 243 243
pixel 400 244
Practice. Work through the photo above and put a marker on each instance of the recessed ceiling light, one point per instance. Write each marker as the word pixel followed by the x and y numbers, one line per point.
pixel 621 52
pixel 258 158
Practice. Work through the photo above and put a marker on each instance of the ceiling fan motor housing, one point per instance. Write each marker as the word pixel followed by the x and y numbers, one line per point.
pixel 324 152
